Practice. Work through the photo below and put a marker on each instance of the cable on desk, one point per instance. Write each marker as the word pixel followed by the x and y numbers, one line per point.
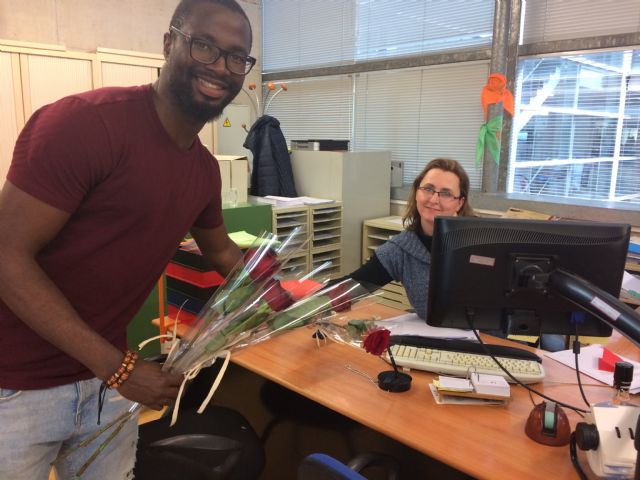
pixel 573 453
pixel 576 352
pixel 469 316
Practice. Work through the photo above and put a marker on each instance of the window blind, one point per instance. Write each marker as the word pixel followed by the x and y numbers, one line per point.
pixel 315 108
pixel 422 113
pixel 311 33
pixel 389 28
pixel 548 20
pixel 307 33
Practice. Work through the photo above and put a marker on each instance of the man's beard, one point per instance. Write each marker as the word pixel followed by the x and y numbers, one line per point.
pixel 181 89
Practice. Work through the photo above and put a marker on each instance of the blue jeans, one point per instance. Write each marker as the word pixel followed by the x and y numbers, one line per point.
pixel 38 426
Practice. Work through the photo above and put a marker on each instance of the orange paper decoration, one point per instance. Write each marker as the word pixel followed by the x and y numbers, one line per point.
pixel 496 91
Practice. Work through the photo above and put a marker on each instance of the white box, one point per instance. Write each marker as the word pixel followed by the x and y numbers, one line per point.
pixel 360 180
pixel 234 171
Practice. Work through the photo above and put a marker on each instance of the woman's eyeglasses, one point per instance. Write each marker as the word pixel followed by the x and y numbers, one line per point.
pixel 444 195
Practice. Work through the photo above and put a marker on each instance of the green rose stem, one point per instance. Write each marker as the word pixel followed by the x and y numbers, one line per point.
pixel 242 323
pixel 122 418
pixel 233 300
pixel 297 316
pixel 102 446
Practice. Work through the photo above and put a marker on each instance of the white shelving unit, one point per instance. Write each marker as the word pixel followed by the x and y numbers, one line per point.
pixel 285 219
pixel 323 225
pixel 359 180
pixel 375 232
pixel 326 240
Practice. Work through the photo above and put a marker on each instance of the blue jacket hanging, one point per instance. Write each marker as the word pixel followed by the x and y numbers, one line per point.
pixel 272 173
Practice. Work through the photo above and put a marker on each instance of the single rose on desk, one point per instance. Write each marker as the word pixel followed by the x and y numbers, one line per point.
pixel 377 341
pixel 261 264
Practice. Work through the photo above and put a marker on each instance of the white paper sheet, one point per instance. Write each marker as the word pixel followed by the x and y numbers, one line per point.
pixel 588 363
pixel 630 282
pixel 411 324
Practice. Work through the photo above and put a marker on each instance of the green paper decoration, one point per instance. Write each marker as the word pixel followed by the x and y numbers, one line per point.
pixel 489 135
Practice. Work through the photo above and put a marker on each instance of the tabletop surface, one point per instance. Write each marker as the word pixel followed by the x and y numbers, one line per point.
pixel 482 441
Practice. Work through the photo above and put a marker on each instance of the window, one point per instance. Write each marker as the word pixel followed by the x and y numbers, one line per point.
pixel 416 113
pixel 391 28
pixel 312 33
pixel 326 113
pixel 430 112
pixel 575 132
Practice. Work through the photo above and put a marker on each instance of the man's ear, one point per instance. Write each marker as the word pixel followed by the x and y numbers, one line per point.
pixel 166 44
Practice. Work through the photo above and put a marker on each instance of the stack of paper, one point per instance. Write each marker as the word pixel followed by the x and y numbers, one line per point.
pixel 493 385
pixel 631 285
pixel 292 201
pixel 462 391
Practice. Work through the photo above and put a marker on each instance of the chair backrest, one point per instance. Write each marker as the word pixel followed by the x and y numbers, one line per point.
pixel 216 445
pixel 319 466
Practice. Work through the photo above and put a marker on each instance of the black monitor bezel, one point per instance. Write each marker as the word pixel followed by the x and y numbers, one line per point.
pixel 453 296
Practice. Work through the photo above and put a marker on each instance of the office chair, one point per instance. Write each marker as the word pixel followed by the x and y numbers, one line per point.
pixel 319 466
pixel 215 445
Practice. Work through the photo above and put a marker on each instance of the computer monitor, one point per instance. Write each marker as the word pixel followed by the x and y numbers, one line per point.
pixel 528 277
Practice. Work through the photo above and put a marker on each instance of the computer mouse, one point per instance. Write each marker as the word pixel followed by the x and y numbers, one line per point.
pixel 548 424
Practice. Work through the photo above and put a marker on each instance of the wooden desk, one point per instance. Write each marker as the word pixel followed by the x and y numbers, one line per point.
pixel 482 441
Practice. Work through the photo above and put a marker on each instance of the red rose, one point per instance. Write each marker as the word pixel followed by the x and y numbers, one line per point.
pixel 377 341
pixel 340 297
pixel 261 267
pixel 277 297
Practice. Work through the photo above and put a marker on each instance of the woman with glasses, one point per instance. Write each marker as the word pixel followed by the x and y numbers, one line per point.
pixel 442 188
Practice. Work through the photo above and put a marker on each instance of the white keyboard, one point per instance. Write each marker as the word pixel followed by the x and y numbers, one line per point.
pixel 460 363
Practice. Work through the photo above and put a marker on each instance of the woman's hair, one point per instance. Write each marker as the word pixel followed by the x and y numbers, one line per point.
pixel 411 218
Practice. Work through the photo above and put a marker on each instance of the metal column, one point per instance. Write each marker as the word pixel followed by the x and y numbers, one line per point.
pixel 498 64
pixel 512 66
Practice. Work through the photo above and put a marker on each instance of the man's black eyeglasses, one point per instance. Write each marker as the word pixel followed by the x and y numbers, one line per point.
pixel 205 52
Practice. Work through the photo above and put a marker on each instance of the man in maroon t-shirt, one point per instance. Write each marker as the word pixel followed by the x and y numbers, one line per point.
pixel 102 187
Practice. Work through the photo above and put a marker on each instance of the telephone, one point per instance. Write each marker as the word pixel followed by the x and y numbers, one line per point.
pixel 607 436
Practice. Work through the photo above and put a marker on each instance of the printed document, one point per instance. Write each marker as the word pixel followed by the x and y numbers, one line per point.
pixel 411 324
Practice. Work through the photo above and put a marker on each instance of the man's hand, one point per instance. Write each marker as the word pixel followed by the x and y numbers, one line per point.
pixel 150 386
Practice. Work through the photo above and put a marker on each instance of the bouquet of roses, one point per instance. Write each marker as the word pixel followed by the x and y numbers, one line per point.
pixel 256 301
pixel 314 302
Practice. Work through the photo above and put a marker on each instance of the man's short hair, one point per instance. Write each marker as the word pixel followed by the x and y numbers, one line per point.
pixel 184 7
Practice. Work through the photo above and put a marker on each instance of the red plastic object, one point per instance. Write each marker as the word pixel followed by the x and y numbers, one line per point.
pixel 185 318
pixel 194 277
pixel 608 360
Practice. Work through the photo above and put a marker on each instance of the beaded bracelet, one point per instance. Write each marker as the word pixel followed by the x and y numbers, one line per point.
pixel 125 369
